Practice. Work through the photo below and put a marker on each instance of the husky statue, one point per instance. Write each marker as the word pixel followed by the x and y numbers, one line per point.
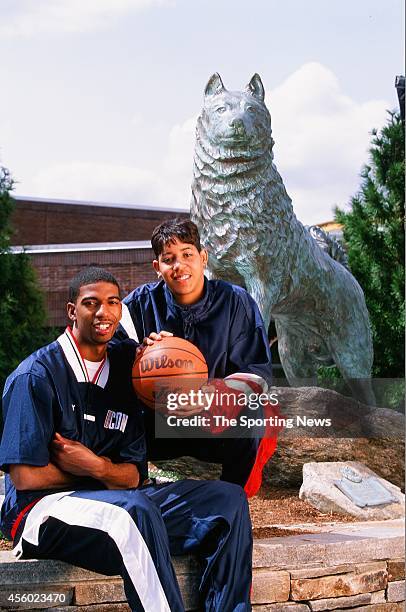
pixel 254 239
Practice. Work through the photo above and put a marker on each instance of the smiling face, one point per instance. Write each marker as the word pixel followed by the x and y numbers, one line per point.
pixel 95 316
pixel 182 266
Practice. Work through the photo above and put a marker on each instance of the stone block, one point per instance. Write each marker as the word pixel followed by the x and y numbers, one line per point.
pixel 189 587
pixel 35 597
pixel 316 572
pixel 396 591
pixel 375 566
pixel 341 585
pixel 282 607
pixel 385 607
pixel 342 603
pixel 106 607
pixel 269 586
pixel 327 549
pixel 105 591
pixel 378 597
pixel 357 568
pixel 396 569
pixel 186 565
pixel 43 571
pixel 35 572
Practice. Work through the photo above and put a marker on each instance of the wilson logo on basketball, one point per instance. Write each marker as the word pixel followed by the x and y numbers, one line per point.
pixel 162 362
pixel 165 364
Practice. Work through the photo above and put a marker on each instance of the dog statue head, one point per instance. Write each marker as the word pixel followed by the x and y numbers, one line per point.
pixel 236 119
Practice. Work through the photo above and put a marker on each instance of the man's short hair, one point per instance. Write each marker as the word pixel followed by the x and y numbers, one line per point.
pixel 169 231
pixel 88 276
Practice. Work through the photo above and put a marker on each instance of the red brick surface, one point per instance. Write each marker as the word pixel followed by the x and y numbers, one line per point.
pixel 37 222
pixel 131 267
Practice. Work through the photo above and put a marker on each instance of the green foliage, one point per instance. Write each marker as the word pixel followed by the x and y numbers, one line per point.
pixel 375 241
pixel 22 313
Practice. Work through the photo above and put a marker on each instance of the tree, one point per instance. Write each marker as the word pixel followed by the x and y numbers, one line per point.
pixel 375 241
pixel 22 313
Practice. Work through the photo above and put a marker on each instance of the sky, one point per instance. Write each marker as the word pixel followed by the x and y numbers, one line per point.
pixel 100 97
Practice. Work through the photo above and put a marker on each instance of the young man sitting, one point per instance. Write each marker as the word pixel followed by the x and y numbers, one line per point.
pixel 73 448
pixel 223 321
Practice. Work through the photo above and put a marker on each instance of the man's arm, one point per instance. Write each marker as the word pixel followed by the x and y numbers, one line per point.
pixel 76 459
pixel 119 475
pixel 30 477
pixel 71 463
pixel 28 409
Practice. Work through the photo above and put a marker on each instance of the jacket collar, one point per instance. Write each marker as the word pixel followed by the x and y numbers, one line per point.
pixel 76 361
pixel 195 310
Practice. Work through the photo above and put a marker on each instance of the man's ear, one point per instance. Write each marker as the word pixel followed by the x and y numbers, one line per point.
pixel 71 310
pixel 155 265
pixel 205 257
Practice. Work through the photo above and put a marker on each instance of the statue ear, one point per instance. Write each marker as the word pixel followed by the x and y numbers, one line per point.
pixel 214 85
pixel 256 88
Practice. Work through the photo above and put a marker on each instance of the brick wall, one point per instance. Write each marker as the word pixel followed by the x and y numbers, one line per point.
pixel 131 267
pixel 47 222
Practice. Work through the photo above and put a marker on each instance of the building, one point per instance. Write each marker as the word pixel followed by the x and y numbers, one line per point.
pixel 62 236
pixel 334 229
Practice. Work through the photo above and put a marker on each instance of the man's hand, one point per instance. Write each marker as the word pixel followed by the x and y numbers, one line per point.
pixel 151 339
pixel 181 411
pixel 75 458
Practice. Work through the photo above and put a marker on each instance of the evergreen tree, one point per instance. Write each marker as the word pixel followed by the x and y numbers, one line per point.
pixel 375 241
pixel 22 313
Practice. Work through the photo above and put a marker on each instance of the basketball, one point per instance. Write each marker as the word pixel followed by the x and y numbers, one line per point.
pixel 167 366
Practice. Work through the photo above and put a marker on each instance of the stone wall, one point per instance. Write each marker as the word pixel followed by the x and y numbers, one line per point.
pixel 354 567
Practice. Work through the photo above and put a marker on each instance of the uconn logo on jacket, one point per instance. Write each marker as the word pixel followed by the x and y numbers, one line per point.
pixel 115 420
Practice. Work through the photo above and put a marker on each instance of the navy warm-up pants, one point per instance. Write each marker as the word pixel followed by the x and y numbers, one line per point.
pixel 134 533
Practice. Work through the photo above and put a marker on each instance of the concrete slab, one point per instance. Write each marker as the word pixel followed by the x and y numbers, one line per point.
pixel 385 526
pixel 347 543
pixel 342 543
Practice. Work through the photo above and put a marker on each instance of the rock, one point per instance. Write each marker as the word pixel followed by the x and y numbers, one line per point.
pixel 338 586
pixel 109 607
pixel 319 490
pixel 396 591
pixel 269 586
pixel 286 606
pixel 385 607
pixel 384 454
pixel 396 569
pixel 87 593
pixel 340 603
